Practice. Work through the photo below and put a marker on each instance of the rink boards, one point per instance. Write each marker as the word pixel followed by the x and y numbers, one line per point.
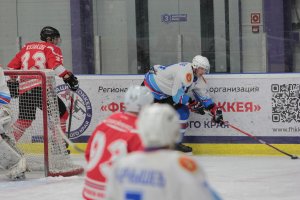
pixel 263 105
pixel 232 149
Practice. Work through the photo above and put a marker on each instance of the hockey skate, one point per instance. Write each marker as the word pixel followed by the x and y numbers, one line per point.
pixel 17 171
pixel 183 148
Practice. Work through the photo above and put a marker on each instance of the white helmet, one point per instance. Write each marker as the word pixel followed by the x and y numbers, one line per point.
pixel 201 61
pixel 136 97
pixel 158 126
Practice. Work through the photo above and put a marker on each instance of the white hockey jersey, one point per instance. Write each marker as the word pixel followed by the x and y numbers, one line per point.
pixel 178 81
pixel 171 80
pixel 4 91
pixel 199 91
pixel 159 175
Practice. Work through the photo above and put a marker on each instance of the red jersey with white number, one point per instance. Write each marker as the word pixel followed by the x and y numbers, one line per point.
pixel 35 56
pixel 112 139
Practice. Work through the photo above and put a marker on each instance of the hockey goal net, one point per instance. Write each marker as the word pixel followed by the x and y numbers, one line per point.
pixel 41 143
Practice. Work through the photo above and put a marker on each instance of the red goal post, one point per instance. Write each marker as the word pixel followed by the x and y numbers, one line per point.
pixel 41 143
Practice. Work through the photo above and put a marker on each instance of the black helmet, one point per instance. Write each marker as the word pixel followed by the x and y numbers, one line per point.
pixel 49 31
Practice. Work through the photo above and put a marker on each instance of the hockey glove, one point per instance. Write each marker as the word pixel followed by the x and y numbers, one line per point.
pixel 72 82
pixel 217 115
pixel 196 107
pixel 13 86
pixel 152 70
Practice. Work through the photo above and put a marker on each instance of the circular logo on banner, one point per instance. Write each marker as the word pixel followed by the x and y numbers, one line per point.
pixel 81 112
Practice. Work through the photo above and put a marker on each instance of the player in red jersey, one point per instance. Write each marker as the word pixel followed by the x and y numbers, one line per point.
pixel 113 139
pixel 40 55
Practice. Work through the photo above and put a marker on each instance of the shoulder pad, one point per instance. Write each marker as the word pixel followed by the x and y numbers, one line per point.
pixel 186 76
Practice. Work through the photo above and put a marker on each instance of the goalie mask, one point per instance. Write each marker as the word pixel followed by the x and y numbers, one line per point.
pixel 158 126
pixel 136 97
pixel 49 32
pixel 201 61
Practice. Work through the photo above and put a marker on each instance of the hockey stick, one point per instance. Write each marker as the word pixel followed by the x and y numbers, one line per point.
pixel 68 141
pixel 70 113
pixel 70 117
pixel 258 140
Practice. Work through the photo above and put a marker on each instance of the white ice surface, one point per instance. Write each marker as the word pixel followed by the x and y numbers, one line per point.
pixel 234 178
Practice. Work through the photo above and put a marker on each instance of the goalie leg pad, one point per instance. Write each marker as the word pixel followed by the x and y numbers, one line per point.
pixel 8 155
pixel 11 160
pixel 17 171
pixel 5 118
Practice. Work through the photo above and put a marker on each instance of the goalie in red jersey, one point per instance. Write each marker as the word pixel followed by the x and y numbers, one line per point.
pixel 113 139
pixel 39 55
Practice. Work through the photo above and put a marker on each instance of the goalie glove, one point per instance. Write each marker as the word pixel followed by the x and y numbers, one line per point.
pixel 196 107
pixel 217 114
pixel 72 82
pixel 13 86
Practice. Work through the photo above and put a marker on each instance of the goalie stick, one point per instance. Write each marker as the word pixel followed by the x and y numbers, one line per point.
pixel 257 139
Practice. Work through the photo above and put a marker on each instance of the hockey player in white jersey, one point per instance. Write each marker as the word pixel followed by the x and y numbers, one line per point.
pixel 10 158
pixel 158 172
pixel 183 86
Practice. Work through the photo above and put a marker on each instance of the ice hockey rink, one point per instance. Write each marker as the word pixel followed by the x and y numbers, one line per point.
pixel 234 178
